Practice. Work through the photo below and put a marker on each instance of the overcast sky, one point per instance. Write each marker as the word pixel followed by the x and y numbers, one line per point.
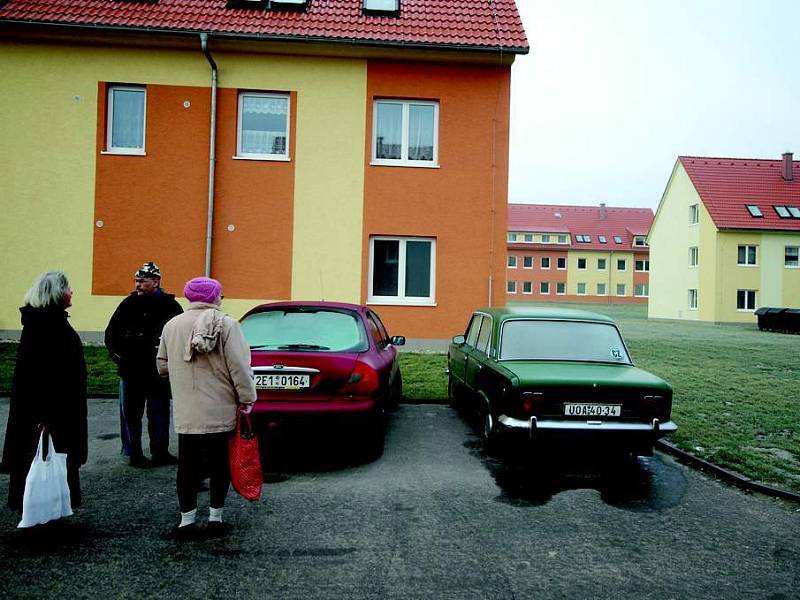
pixel 613 91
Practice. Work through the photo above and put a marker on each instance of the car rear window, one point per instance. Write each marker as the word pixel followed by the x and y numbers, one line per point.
pixel 305 329
pixel 562 340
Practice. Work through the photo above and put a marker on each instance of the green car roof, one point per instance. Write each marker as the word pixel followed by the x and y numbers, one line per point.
pixel 545 313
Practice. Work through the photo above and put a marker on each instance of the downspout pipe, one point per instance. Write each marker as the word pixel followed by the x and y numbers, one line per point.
pixel 212 153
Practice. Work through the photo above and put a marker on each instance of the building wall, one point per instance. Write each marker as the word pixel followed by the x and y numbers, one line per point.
pixel 670 238
pixel 462 203
pixel 298 229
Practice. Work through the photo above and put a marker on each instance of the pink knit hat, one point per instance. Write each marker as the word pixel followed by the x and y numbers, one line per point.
pixel 202 289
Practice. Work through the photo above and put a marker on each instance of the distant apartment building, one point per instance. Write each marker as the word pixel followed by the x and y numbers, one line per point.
pixel 725 239
pixel 577 253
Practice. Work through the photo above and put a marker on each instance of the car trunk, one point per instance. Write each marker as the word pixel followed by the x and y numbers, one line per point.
pixel 641 395
pixel 332 373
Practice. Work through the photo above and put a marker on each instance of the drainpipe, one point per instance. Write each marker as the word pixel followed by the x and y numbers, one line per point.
pixel 212 154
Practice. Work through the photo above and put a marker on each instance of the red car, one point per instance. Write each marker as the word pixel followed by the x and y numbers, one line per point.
pixel 323 358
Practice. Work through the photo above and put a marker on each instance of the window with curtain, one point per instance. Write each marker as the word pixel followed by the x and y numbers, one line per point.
pixel 263 126
pixel 126 119
pixel 402 270
pixel 405 133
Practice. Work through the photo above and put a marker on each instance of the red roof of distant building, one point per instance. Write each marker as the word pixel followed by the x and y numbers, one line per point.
pixel 492 25
pixel 727 185
pixel 594 221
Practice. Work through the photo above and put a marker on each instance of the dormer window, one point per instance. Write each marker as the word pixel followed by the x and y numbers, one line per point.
pixel 382 7
pixel 639 240
pixel 288 4
pixel 754 210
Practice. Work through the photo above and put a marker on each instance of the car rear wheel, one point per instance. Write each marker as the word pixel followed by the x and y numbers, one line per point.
pixel 489 431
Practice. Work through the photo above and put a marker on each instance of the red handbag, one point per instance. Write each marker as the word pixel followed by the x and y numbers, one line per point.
pixel 245 461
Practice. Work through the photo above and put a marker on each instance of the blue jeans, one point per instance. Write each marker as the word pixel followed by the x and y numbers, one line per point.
pixel 134 398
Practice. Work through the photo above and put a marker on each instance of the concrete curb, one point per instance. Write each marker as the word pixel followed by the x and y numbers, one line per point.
pixel 729 476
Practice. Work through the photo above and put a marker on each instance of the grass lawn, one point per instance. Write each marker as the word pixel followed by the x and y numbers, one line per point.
pixel 736 401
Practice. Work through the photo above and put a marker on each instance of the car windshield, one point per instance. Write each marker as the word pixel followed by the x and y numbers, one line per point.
pixel 305 329
pixel 562 340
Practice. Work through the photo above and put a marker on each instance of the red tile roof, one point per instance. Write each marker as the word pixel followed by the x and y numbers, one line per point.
pixel 727 185
pixel 583 220
pixel 493 24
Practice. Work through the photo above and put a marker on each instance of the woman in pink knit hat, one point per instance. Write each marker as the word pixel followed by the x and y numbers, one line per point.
pixel 207 359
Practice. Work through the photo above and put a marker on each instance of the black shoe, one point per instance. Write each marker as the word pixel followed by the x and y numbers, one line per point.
pixel 164 459
pixel 218 529
pixel 140 462
pixel 182 534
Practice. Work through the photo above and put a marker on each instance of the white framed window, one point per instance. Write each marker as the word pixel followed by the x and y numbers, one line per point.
pixel 692 299
pixel 693 256
pixel 511 287
pixel 639 240
pixel 620 289
pixel 544 287
pixel 641 290
pixel 581 289
pixel 746 256
pixel 621 264
pixel 262 130
pixel 527 287
pixel 125 128
pixel 561 263
pixel 527 262
pixel 402 270
pixel 694 214
pixel 512 237
pixel 601 264
pixel 791 254
pixel 581 264
pixel 561 288
pixel 405 133
pixel 642 265
pixel 746 300
pixel 545 238
pixel 528 238
pixel 512 261
pixel 601 289
pixel 545 263
pixel 562 239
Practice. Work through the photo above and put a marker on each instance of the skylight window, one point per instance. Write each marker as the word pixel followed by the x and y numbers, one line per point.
pixel 794 211
pixel 382 7
pixel 584 239
pixel 288 4
pixel 602 239
pixel 754 210
pixel 783 213
pixel 617 239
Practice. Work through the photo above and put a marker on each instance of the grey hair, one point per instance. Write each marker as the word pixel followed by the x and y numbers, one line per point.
pixel 48 289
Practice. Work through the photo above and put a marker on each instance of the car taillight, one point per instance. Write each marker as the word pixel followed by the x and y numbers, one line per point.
pixel 363 379
pixel 529 399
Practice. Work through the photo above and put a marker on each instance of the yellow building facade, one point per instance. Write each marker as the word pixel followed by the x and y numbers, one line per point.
pixel 717 254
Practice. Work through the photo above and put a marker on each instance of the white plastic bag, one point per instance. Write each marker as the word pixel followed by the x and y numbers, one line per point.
pixel 46 489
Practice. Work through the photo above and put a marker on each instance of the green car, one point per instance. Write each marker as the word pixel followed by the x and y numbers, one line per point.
pixel 556 374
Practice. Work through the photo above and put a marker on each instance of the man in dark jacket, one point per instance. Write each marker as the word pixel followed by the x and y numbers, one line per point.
pixel 132 338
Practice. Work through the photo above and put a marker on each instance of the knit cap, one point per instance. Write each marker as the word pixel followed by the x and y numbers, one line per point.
pixel 202 289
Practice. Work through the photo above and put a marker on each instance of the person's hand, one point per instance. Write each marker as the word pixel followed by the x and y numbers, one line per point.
pixel 245 409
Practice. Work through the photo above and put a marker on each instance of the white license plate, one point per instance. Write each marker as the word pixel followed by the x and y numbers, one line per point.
pixel 281 382
pixel 593 410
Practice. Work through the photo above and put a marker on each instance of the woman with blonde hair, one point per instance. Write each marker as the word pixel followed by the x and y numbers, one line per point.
pixel 49 387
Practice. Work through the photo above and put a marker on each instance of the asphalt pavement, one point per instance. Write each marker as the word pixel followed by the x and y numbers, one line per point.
pixel 433 517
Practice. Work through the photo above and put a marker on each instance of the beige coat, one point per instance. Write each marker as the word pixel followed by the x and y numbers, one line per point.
pixel 207 359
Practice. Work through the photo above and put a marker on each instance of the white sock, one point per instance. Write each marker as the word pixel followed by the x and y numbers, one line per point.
pixel 187 518
pixel 214 515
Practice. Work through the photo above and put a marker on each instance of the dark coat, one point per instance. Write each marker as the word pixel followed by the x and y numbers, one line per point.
pixel 134 331
pixel 49 388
